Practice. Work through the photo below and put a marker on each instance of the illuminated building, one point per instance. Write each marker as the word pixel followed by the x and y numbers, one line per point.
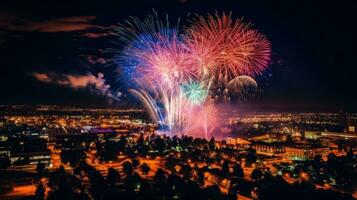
pixel 237 141
pixel 304 152
pixel 327 134
pixel 31 158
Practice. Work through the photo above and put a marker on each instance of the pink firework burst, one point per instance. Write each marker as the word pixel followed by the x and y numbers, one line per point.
pixel 167 64
pixel 227 47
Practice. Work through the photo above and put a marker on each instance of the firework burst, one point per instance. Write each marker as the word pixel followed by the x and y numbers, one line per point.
pixel 175 72
pixel 194 92
pixel 226 47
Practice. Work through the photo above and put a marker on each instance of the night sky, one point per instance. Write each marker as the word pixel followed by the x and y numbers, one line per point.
pixel 53 53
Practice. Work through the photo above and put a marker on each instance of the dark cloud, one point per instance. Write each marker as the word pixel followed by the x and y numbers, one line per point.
pixel 95 35
pixel 66 24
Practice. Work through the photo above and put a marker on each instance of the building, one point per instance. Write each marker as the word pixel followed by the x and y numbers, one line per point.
pixel 238 142
pixel 26 150
pixel 304 151
pixel 31 158
pixel 318 134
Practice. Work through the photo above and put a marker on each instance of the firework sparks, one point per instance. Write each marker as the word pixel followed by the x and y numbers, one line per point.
pixel 195 92
pixel 227 47
pixel 175 72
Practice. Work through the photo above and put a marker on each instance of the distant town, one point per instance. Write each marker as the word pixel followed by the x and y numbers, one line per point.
pixel 118 153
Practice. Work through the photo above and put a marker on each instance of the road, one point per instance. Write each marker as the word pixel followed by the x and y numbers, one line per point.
pixel 19 192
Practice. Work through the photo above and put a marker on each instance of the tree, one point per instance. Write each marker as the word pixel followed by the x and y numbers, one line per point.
pixel 135 163
pixel 212 144
pixel 186 171
pixel 160 176
pixel 318 160
pixel 350 155
pixel 40 168
pixel 289 139
pixel 40 192
pixel 97 182
pixel 145 169
pixel 110 150
pixel 62 184
pixel 238 171
pixel 160 145
pixel 170 163
pixel 256 174
pixel 112 177
pixel 251 157
pixel 140 140
pixel 5 161
pixel 213 192
pixel 73 157
pixel 201 178
pixel 225 168
pixel 146 192
pixel 127 168
pixel 140 145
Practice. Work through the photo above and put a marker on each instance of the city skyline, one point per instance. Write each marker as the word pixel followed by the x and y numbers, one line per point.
pixel 309 155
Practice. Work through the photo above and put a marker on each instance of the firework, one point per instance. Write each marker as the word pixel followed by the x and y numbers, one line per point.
pixel 203 121
pixel 226 47
pixel 195 92
pixel 242 88
pixel 176 73
pixel 166 64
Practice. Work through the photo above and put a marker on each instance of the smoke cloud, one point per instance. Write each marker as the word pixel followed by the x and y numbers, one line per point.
pixel 95 83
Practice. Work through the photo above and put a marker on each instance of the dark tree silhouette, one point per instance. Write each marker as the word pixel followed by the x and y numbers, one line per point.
pixel 213 192
pixel 62 185
pixel 251 157
pixel 238 171
pixel 132 182
pixel 73 157
pixel 110 150
pixel 113 177
pixel 212 144
pixel 201 178
pixel 186 171
pixel 256 174
pixel 127 168
pixel 40 192
pixel 160 176
pixel 145 169
pixel 135 163
pixel 225 168
pixel 40 168
pixel 4 161
pixel 97 183
pixel 160 145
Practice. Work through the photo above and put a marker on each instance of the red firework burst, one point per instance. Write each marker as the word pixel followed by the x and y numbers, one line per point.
pixel 227 47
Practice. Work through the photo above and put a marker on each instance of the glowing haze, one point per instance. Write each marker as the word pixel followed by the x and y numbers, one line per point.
pixel 175 73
